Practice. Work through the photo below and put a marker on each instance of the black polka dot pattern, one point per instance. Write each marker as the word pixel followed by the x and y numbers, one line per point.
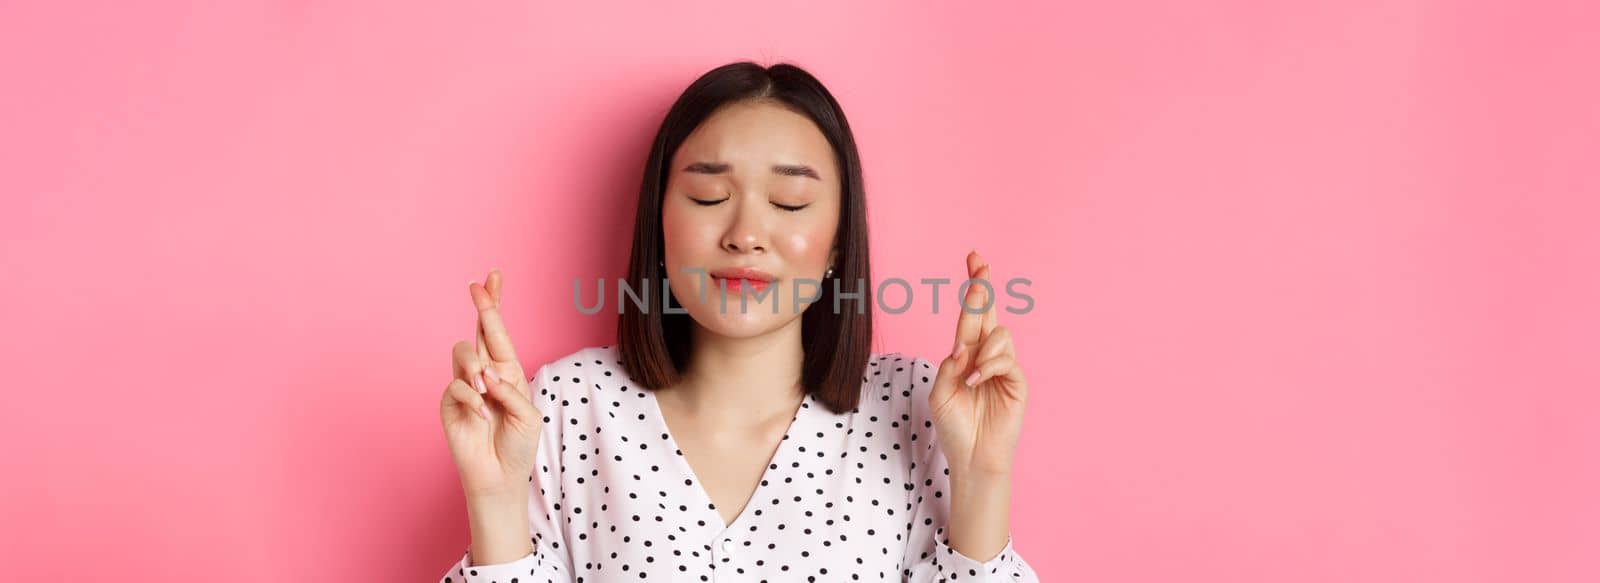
pixel 858 495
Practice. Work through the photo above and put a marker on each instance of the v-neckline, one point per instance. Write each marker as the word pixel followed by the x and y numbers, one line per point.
pixel 705 503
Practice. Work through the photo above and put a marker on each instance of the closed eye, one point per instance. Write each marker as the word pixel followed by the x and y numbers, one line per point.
pixel 719 201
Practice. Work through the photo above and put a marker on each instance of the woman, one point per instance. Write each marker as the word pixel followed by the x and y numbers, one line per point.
pixel 743 444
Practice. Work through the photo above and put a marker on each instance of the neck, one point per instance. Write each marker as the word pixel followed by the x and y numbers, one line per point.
pixel 737 381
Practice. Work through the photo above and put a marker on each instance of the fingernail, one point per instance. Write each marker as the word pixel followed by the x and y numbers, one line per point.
pixel 477 381
pixel 483 411
pixel 972 378
pixel 494 376
pixel 956 351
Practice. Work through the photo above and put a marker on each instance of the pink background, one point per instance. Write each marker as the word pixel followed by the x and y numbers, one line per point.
pixel 1315 287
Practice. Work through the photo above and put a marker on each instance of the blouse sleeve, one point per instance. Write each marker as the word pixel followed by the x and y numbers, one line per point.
pixel 548 563
pixel 929 557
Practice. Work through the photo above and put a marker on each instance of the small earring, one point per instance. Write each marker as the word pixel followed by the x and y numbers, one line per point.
pixel 828 273
pixel 663 263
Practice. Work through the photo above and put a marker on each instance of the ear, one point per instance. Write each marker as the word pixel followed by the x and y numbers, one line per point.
pixel 833 258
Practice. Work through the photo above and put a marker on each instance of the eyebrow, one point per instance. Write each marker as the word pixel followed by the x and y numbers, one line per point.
pixel 782 169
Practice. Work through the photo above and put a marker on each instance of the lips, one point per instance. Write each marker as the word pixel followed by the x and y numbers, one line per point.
pixel 738 278
pixel 732 273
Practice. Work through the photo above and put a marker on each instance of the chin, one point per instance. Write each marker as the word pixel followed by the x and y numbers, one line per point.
pixel 757 320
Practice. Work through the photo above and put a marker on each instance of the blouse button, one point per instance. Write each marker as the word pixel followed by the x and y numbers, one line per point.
pixel 727 545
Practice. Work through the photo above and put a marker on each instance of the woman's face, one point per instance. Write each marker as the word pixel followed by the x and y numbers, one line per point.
pixel 728 201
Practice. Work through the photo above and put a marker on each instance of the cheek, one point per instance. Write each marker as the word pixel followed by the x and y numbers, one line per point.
pixel 809 243
pixel 682 228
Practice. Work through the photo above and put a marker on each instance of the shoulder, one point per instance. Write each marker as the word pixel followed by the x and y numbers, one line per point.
pixel 897 373
pixel 585 361
pixel 577 370
pixel 896 386
pixel 895 404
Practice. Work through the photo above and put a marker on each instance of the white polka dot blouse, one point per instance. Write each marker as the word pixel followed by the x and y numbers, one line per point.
pixel 859 495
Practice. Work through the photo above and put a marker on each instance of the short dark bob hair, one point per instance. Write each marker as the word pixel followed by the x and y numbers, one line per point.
pixel 654 345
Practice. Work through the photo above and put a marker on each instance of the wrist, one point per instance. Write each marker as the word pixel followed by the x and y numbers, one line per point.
pixel 982 488
pixel 499 528
pixel 489 500
pixel 979 477
pixel 980 508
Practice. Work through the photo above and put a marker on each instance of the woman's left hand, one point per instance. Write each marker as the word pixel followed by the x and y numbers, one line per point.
pixel 979 393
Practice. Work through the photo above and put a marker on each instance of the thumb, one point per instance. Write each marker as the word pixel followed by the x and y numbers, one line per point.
pixel 514 403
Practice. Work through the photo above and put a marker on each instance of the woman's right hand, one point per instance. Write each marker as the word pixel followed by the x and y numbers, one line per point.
pixel 488 414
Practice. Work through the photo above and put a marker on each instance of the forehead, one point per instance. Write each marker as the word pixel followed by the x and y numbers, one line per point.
pixel 758 132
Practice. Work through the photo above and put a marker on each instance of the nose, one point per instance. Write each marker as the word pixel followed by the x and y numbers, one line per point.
pixel 748 233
